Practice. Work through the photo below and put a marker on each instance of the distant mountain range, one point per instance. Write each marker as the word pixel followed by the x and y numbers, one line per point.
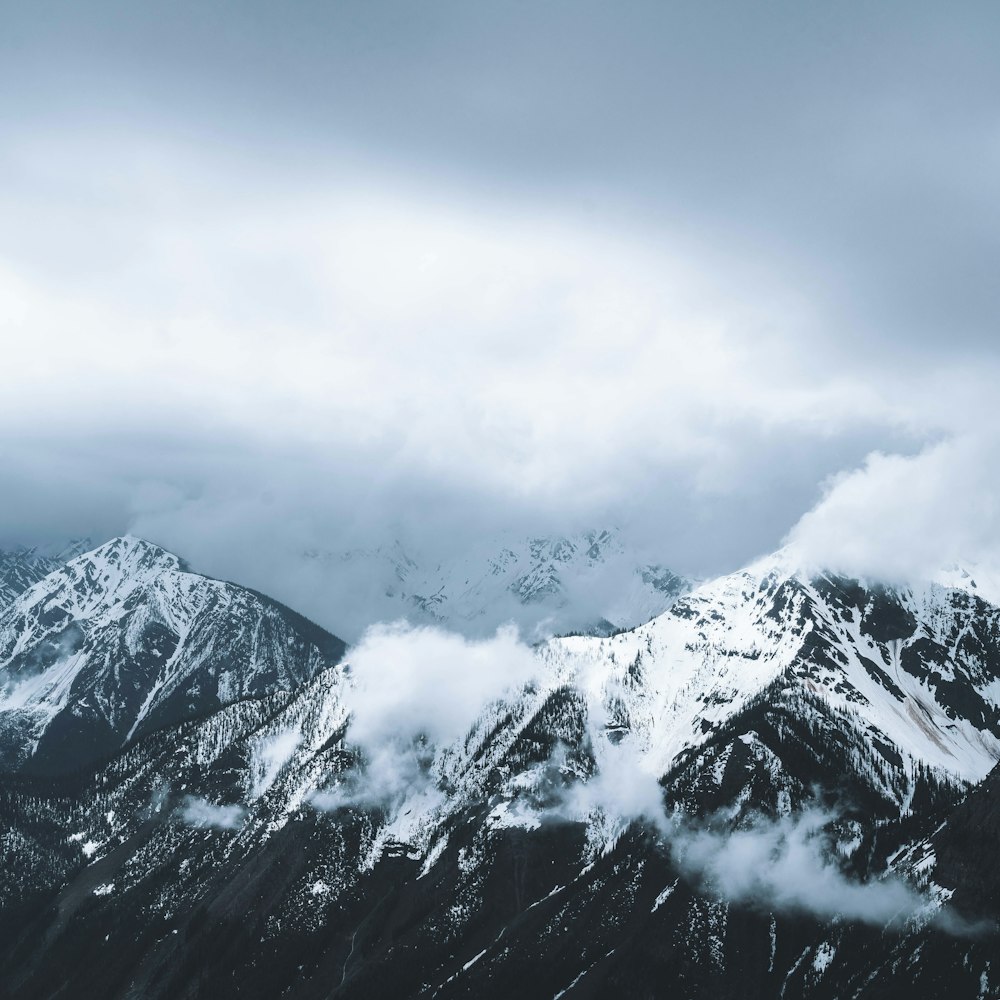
pixel 588 582
pixel 780 784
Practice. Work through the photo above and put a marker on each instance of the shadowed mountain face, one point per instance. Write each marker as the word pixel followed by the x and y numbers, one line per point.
pixel 19 569
pixel 781 787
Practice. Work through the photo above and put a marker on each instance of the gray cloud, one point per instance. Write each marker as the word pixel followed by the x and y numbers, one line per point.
pixel 280 282
pixel 848 148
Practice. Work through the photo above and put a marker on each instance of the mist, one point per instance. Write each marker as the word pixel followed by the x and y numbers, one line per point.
pixel 270 756
pixel 401 720
pixel 783 864
pixel 786 864
pixel 201 813
pixel 416 689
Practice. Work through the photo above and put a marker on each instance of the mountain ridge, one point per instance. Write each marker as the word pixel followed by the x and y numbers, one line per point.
pixel 553 845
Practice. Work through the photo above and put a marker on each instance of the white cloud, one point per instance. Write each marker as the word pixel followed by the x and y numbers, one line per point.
pixel 621 789
pixel 196 811
pixel 784 864
pixel 903 518
pixel 425 682
pixel 416 689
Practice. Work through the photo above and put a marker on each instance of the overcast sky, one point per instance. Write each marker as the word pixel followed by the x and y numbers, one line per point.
pixel 279 277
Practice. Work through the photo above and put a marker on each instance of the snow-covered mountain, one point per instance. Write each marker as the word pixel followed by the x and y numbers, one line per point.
pixel 588 582
pixel 123 639
pixel 783 786
pixel 913 674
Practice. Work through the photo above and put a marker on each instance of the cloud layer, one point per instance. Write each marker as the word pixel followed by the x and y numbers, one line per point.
pixel 273 285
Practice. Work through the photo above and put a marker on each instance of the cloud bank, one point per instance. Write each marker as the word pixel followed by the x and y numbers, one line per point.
pixel 276 285
pixel 246 376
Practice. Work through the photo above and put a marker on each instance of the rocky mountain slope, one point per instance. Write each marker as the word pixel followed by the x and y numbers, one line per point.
pixel 784 786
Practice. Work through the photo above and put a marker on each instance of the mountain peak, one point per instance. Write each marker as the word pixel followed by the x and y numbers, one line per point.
pixel 132 543
pixel 130 553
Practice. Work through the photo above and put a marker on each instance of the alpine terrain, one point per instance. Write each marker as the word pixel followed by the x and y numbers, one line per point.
pixel 776 784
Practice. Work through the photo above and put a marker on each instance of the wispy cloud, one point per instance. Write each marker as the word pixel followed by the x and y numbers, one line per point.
pixel 786 864
pixel 271 756
pixel 383 779
pixel 199 812
pixel 781 864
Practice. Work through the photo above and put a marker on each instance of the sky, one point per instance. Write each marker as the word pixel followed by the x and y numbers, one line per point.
pixel 287 278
